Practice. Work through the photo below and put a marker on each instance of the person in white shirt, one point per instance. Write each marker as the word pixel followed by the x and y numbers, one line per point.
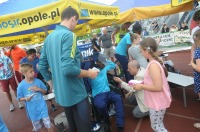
pixel 135 97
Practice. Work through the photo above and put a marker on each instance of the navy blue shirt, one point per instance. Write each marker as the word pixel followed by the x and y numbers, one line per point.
pixel 33 63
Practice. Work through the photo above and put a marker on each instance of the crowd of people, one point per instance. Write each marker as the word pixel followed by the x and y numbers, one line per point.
pixel 174 28
pixel 59 68
pixel 22 80
pixel 165 28
pixel 135 55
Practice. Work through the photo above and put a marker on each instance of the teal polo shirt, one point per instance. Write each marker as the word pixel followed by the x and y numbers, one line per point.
pixel 121 47
pixel 61 54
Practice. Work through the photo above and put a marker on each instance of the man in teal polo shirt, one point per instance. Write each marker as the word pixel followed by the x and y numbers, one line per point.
pixel 61 54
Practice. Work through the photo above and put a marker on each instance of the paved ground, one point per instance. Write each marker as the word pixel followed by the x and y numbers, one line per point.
pixel 177 118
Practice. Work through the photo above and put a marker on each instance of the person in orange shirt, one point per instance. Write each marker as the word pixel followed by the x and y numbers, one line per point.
pixel 16 54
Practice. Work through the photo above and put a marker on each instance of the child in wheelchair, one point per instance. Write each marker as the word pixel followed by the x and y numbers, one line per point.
pixel 102 96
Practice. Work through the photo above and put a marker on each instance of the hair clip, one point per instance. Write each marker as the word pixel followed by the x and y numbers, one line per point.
pixel 148 48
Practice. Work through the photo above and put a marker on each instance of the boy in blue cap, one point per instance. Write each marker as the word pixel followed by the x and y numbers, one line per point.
pixel 102 94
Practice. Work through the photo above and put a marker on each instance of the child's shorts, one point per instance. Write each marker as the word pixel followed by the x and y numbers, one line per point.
pixel 37 125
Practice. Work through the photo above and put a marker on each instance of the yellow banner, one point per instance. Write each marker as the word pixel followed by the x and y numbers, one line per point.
pixel 23 39
pixel 39 37
pixel 154 11
pixel 51 14
pixel 82 29
pixel 180 2
pixel 138 13
pixel 95 11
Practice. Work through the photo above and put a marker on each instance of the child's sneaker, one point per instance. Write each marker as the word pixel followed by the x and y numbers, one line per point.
pixel 53 107
pixel 12 107
pixel 96 127
pixel 20 104
pixel 111 112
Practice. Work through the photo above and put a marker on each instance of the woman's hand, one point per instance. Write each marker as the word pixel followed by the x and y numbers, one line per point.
pixel 138 87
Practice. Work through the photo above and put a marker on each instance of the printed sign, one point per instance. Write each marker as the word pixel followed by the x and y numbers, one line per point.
pixel 182 36
pixel 166 39
pixel 86 50
pixel 169 39
pixel 33 38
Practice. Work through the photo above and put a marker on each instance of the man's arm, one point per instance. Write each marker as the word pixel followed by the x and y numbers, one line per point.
pixel 94 45
pixel 124 85
pixel 96 48
pixel 43 65
pixel 5 52
pixel 127 87
pixel 99 41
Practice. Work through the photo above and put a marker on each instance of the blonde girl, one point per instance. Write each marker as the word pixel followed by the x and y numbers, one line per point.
pixel 157 95
pixel 134 51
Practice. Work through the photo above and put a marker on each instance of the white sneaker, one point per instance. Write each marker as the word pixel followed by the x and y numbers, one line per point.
pixel 111 112
pixel 12 107
pixel 21 105
pixel 96 127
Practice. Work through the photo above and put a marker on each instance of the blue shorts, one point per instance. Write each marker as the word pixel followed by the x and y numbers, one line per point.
pixel 37 125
